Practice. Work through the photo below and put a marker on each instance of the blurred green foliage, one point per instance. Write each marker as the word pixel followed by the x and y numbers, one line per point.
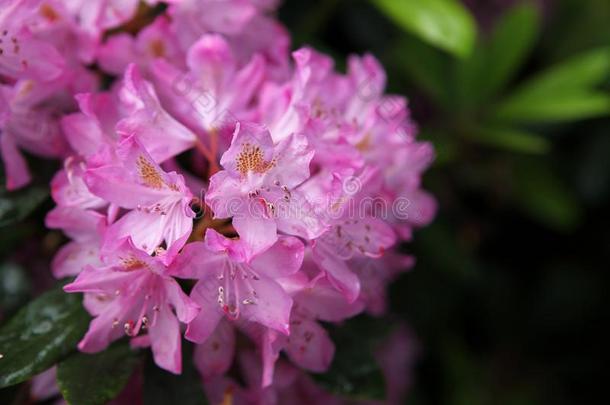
pixel 507 296
pixel 79 376
pixel 41 334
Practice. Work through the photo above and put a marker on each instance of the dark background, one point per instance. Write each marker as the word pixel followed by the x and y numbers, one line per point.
pixel 509 295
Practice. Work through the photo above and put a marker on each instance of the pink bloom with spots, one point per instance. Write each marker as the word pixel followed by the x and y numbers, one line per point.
pixel 130 294
pixel 157 203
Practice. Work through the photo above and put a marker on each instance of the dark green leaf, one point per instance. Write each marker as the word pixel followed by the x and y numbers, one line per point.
pixel 545 197
pixel 511 139
pixel 14 287
pixel 564 92
pixel 560 108
pixel 40 335
pixel 492 63
pixel 443 23
pixel 162 387
pixel 17 205
pixel 579 72
pixel 511 42
pixel 354 372
pixel 94 379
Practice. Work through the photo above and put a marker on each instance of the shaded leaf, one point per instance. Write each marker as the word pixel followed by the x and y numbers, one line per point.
pixel 443 23
pixel 162 387
pixel 14 287
pixel 511 139
pixel 40 335
pixel 564 92
pixel 79 375
pixel 509 45
pixel 545 197
pixel 559 108
pixel 354 372
pixel 17 205
pixel 494 61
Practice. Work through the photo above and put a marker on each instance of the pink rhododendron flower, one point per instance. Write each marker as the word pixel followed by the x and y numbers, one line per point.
pixel 234 285
pixel 258 187
pixel 215 91
pixel 195 146
pixel 159 202
pixel 132 292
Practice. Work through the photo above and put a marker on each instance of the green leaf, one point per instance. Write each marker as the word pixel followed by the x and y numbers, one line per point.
pixel 442 23
pixel 162 387
pixel 580 72
pixel 509 45
pixel 354 372
pixel 92 379
pixel 511 139
pixel 40 335
pixel 493 62
pixel 14 287
pixel 559 108
pixel 564 92
pixel 17 205
pixel 545 197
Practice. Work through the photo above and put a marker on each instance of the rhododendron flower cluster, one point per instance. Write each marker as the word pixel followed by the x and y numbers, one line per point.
pixel 213 184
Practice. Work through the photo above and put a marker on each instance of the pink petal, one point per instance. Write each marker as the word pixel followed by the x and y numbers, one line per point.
pixel 76 223
pixel 309 345
pixel 15 166
pixel 68 188
pixel 272 306
pixel 256 231
pixel 137 181
pixel 165 341
pixel 29 58
pixel 283 259
pixel 161 135
pixel 293 158
pixel 195 261
pixel 83 133
pixel 145 229
pixel 340 276
pixel 186 309
pixel 102 281
pixel 215 356
pixel 322 301
pixel 223 195
pixel 101 333
pixel 205 293
pixel 247 136
pixel 73 257
pixel 116 53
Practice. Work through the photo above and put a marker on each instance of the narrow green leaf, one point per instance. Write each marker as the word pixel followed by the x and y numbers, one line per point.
pixel 564 107
pixel 94 379
pixel 511 139
pixel 563 92
pixel 17 205
pixel 354 372
pixel 442 23
pixel 509 45
pixel 40 335
pixel 580 72
pixel 493 62
pixel 162 387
